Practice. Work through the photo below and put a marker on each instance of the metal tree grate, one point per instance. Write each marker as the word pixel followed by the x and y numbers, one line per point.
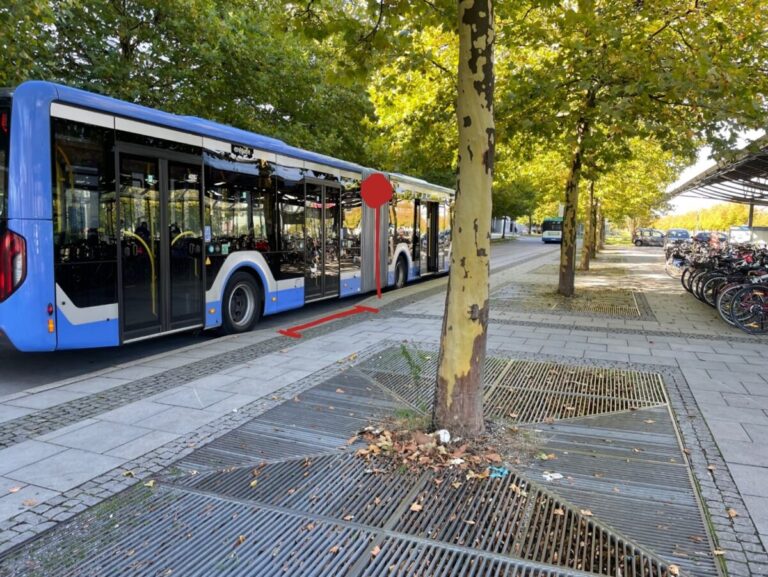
pixel 525 391
pixel 530 391
pixel 619 303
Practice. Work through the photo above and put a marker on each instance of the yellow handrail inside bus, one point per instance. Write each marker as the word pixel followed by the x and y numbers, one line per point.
pixel 152 265
pixel 181 235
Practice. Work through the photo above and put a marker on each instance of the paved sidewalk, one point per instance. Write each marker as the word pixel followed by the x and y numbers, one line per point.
pixel 70 446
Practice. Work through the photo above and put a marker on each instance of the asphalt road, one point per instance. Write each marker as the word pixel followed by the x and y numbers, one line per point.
pixel 20 371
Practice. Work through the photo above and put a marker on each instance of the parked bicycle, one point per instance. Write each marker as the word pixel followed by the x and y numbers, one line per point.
pixel 731 278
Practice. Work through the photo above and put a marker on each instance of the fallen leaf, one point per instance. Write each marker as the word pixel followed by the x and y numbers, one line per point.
pixel 559 512
pixel 309 526
pixel 696 538
pixel 687 451
pixel 711 467
pixel 29 502
pixel 334 549
pixel 586 512
pixel 340 391
pixel 422 438
pixel 14 489
pixel 351 440
pixel 732 512
pixel 469 522
pixel 348 517
pixel 128 474
pixel 456 484
pixel 150 483
pixel 458 452
pixel 718 552
pixel 375 551
pixel 493 457
pixel 673 570
pixel 254 483
pixel 649 421
pixel 416 507
pixel 240 540
pixel 377 501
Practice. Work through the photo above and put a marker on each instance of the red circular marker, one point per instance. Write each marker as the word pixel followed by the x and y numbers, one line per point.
pixel 376 191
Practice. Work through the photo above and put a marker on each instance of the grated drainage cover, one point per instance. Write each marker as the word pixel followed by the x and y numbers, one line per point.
pixel 523 391
pixel 605 270
pixel 530 392
pixel 333 514
pixel 617 303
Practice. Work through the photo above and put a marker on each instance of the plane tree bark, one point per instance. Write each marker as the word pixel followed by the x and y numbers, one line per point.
pixel 458 398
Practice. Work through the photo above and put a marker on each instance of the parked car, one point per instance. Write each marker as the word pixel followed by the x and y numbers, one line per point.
pixel 676 236
pixel 706 236
pixel 648 237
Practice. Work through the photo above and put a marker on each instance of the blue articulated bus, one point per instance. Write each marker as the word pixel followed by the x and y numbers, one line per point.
pixel 120 223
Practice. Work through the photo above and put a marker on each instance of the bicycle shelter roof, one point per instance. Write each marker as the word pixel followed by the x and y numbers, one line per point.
pixel 742 179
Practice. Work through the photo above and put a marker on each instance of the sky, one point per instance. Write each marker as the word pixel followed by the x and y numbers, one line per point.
pixel 688 203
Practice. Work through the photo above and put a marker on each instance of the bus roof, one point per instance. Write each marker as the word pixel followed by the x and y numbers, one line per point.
pixel 553 219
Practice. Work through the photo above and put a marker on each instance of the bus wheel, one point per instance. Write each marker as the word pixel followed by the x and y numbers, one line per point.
pixel 242 303
pixel 401 274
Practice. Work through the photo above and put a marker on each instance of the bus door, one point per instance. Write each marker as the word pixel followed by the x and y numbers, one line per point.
pixel 322 228
pixel 161 245
pixel 428 230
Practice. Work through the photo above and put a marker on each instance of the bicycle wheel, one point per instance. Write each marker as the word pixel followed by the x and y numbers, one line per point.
pixel 749 309
pixel 710 288
pixel 674 267
pixel 685 278
pixel 724 300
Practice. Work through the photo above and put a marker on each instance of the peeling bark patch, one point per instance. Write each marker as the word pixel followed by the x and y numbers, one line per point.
pixel 476 17
pixel 467 121
pixel 471 155
pixel 490 153
pixel 481 252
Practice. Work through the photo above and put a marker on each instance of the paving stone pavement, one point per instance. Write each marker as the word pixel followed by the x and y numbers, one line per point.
pixel 121 427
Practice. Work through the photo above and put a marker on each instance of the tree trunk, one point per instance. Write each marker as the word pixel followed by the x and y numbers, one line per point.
pixel 601 232
pixel 530 224
pixel 568 244
pixel 459 394
pixel 504 227
pixel 589 227
pixel 593 227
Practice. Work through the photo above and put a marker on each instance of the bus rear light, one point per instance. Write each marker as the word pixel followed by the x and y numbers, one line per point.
pixel 13 262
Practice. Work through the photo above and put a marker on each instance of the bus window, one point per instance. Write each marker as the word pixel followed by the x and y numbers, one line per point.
pixel 443 236
pixel 401 221
pixel 239 210
pixel 84 216
pixel 290 229
pixel 5 140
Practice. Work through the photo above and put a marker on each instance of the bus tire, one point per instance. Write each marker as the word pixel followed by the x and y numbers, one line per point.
pixel 242 305
pixel 401 273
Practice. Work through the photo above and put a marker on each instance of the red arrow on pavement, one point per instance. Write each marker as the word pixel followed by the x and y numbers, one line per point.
pixel 294 333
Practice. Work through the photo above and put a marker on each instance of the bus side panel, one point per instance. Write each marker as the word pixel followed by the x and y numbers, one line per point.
pixel 87 336
pixel 350 284
pixel 29 183
pixel 24 315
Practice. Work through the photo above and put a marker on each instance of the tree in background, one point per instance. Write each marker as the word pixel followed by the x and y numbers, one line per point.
pixel 719 217
pixel 221 60
pixel 25 38
pixel 594 74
